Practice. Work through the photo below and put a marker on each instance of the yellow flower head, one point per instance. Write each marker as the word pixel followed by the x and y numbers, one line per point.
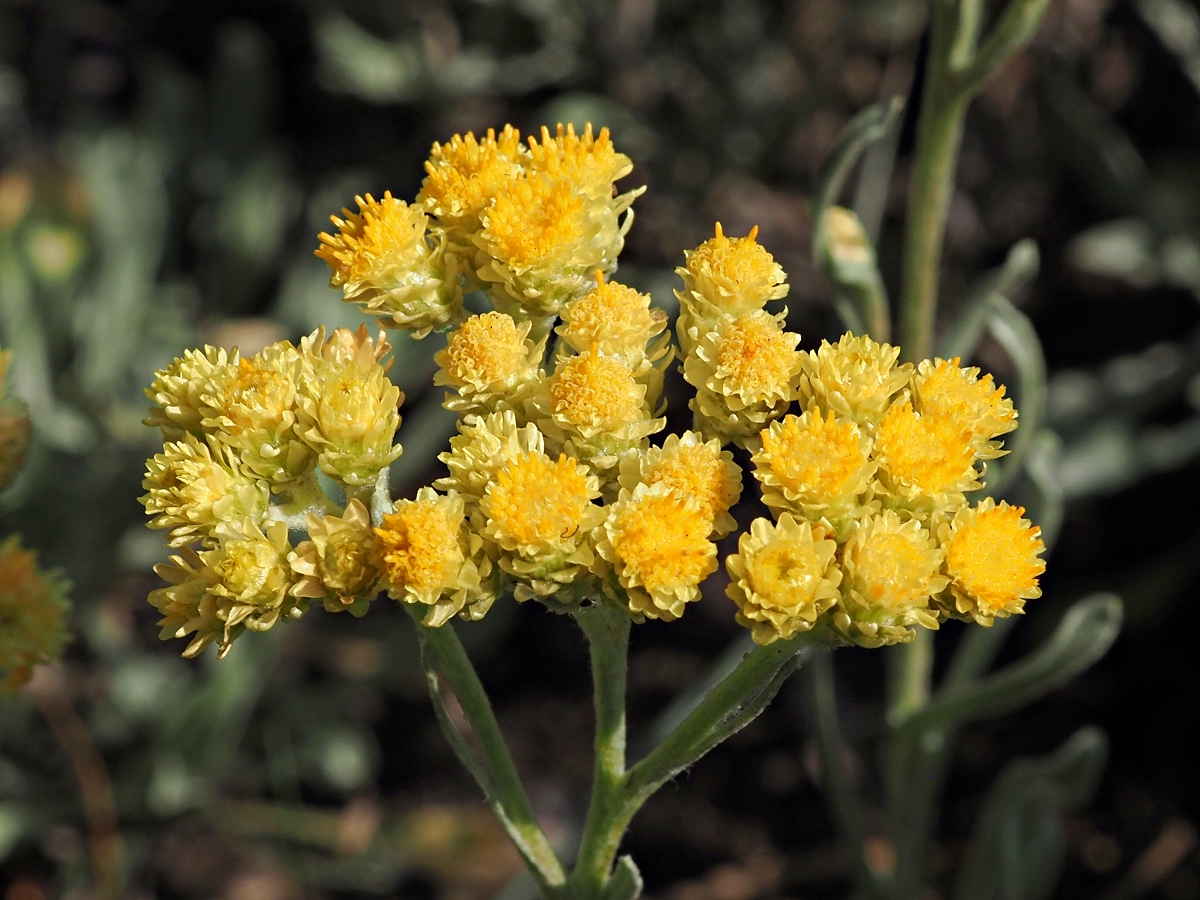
pixel 348 409
pixel 745 373
pixel 538 512
pixel 178 391
pixel 691 468
pixel 656 543
pixel 993 558
pixel 592 163
pixel 427 556
pixel 615 319
pixel 337 563
pixel 384 258
pixel 947 391
pixel 193 485
pixel 925 463
pixel 188 605
pixel 782 578
pixel 491 363
pixel 890 571
pixel 251 563
pixel 725 276
pixel 855 378
pixel 482 447
pixel 14 428
pixel 594 408
pixel 33 609
pixel 464 175
pixel 815 465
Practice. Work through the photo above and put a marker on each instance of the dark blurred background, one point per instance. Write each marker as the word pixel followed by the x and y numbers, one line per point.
pixel 164 168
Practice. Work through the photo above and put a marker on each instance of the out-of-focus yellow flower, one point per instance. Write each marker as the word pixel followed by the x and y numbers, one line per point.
pixel 491 363
pixel 925 463
pixel 538 513
pixel 464 175
pixel 429 557
pixel 745 373
pixel 856 378
pixel 483 446
pixel 817 466
pixel 594 409
pixel 178 392
pixel 783 578
pixel 337 563
pixel 945 390
pixel 656 543
pixel 384 258
pixel 14 428
pixel 890 572
pixel 725 277
pixel 33 609
pixel 192 486
pixel 347 408
pixel 252 408
pixel 692 468
pixel 993 558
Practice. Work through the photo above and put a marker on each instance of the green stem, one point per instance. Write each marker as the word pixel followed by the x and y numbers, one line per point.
pixel 910 667
pixel 607 630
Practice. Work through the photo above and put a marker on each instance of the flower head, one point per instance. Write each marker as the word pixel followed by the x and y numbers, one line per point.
pixel 692 468
pixel 538 512
pixel 925 462
pixel 188 607
pixel 337 563
pixel 428 557
pixel 782 578
pixel 491 363
pixel 615 319
pixel 945 390
pixel 591 163
pixel 384 258
pixel 855 378
pixel 890 571
pixel 193 485
pixel 814 465
pixel 179 391
pixel 993 558
pixel 483 446
pixel 33 609
pixel 14 428
pixel 656 543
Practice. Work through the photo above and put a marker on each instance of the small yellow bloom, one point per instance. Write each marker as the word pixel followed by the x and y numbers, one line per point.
pixel 179 391
pixel 856 378
pixel 337 563
pixel 615 319
pixel 429 557
pixel 656 542
pixel 691 468
pixel 591 163
pixel 385 258
pixel 33 609
pixel 538 513
pixel 782 578
pixel 193 486
pixel 745 373
pixel 925 463
pixel 483 446
pixel 890 572
pixel 993 558
pixel 947 391
pixel 725 277
pixel 14 428
pixel 188 606
pixel 814 465
pixel 347 408
pixel 491 363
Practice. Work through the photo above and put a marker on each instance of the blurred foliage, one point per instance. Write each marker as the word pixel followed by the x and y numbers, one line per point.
pixel 164 168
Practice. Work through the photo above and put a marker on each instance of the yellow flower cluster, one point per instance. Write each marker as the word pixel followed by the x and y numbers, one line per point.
pixel 553 489
pixel 874 535
pixel 33 608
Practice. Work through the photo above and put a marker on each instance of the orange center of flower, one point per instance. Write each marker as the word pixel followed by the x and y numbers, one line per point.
pixel 948 392
pixel 921 451
pixel 418 544
pixel 995 557
pixel 663 541
pixel 785 574
pixel 596 391
pixel 819 458
pixel 465 174
pixel 610 309
pixel 485 349
pixel 539 503
pixel 893 571
pixel 756 355
pixel 699 473
pixel 535 220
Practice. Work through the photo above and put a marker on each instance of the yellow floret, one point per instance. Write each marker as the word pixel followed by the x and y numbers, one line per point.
pixel 947 391
pixel 491 363
pixel 924 462
pixel 464 175
pixel 656 542
pixel 614 318
pixel 890 572
pixel 337 563
pixel 817 466
pixel 783 578
pixel 33 608
pixel 482 447
pixel 993 558
pixel 855 378
pixel 179 391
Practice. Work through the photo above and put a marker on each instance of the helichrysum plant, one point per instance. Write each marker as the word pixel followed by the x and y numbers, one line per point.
pixel 563 487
